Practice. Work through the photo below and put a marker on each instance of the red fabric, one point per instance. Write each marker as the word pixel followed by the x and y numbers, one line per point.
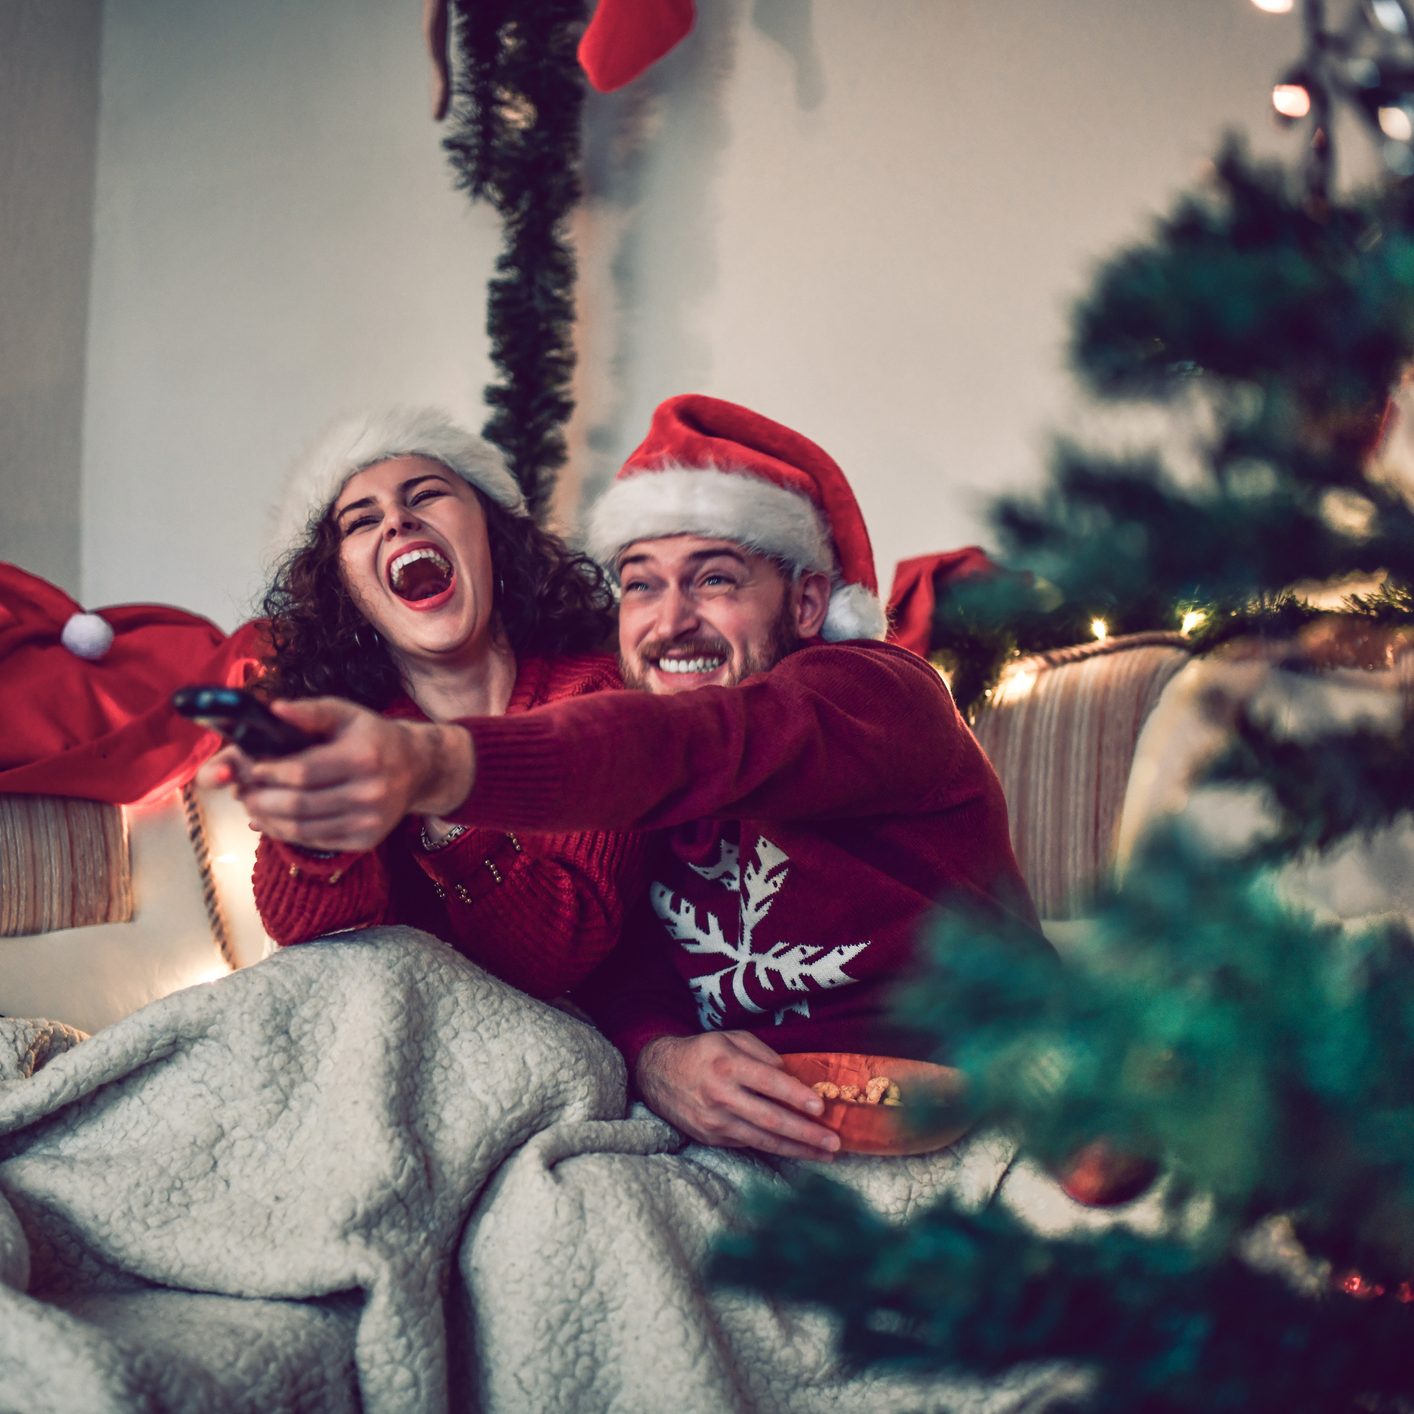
pixel 853 796
pixel 692 430
pixel 914 597
pixel 101 729
pixel 551 916
pixel 625 37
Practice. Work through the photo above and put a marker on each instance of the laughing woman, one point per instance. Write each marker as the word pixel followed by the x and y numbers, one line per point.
pixel 419 586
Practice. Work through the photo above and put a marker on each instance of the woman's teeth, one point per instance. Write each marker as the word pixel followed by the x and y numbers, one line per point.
pixel 690 665
pixel 399 566
pixel 420 573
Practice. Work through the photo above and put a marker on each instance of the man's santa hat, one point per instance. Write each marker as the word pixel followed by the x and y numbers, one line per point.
pixel 364 440
pixel 715 469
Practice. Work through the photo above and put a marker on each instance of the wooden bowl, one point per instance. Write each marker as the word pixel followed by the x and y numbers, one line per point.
pixel 886 1129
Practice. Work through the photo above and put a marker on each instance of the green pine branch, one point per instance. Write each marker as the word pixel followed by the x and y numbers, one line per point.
pixel 1162 1326
pixel 1322 790
pixel 1202 1022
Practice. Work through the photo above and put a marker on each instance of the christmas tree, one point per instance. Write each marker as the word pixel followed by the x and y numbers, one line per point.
pixel 1259 1062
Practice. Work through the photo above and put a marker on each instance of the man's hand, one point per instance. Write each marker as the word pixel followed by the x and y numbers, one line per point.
pixel 728 1088
pixel 349 791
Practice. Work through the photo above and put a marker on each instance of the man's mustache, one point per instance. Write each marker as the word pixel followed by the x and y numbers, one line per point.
pixel 698 647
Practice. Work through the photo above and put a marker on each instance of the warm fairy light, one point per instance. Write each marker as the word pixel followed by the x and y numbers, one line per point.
pixel 1275 7
pixel 1291 100
pixel 224 859
pixel 1015 683
pixel 1390 16
pixel 1100 629
pixel 1396 124
pixel 1193 619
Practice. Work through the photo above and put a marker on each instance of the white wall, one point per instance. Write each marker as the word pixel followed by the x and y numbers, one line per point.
pixel 866 220
pixel 277 240
pixel 49 121
pixel 869 221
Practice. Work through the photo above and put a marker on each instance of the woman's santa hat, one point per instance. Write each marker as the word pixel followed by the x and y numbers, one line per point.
pixel 712 468
pixel 361 441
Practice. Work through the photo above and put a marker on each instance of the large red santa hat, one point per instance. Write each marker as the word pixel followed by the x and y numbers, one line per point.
pixel 712 468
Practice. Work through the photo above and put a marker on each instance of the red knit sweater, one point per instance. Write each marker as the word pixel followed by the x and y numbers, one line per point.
pixel 813 818
pixel 539 907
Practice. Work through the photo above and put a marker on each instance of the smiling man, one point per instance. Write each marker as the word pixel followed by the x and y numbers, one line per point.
pixel 815 790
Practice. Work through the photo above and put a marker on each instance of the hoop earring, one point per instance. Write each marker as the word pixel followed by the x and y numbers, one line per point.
pixel 500 587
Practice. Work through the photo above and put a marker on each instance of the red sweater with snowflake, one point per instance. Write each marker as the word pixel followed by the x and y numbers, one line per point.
pixel 813 818
pixel 538 907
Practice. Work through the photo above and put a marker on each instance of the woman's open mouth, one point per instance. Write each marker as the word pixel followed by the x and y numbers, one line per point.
pixel 422 577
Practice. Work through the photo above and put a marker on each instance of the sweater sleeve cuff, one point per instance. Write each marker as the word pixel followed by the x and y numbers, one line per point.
pixel 518 774
pixel 311 864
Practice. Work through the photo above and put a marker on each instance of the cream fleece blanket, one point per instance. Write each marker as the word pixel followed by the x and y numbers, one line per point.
pixel 363 1174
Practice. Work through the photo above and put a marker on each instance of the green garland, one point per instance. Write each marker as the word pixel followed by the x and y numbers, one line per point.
pixel 982 625
pixel 515 142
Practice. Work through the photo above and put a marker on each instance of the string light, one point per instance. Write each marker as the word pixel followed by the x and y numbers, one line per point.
pixel 1192 619
pixel 1389 15
pixel 1366 62
pixel 1395 123
pixel 1100 629
pixel 1291 100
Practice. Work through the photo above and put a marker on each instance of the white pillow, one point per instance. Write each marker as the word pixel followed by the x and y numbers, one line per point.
pixel 90 977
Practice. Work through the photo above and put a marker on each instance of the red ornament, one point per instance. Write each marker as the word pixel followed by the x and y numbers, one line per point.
pixel 1101 1176
pixel 1362 1289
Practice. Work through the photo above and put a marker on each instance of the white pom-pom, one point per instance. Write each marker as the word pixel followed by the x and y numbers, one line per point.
pixel 854 613
pixel 87 635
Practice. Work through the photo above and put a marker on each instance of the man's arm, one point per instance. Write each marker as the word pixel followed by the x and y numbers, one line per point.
pixel 832 731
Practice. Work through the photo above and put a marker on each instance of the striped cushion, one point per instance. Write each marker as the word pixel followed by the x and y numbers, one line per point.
pixel 63 864
pixel 1060 728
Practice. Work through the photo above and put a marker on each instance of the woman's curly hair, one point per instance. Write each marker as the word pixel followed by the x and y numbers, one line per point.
pixel 549 600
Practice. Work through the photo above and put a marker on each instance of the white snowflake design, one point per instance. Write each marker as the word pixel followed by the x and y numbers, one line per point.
pixel 798 967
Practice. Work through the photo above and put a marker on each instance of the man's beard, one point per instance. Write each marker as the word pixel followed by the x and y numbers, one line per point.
pixel 781 639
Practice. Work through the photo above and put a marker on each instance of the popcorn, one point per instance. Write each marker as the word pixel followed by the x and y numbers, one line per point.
pixel 879 1090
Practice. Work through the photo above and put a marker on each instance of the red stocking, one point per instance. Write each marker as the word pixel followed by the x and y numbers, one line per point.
pixel 626 36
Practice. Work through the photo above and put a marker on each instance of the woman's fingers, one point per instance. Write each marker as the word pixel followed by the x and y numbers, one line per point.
pixel 227 767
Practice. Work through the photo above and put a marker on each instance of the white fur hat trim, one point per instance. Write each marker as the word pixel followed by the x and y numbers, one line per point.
pixel 368 438
pixel 731 505
pixel 728 505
